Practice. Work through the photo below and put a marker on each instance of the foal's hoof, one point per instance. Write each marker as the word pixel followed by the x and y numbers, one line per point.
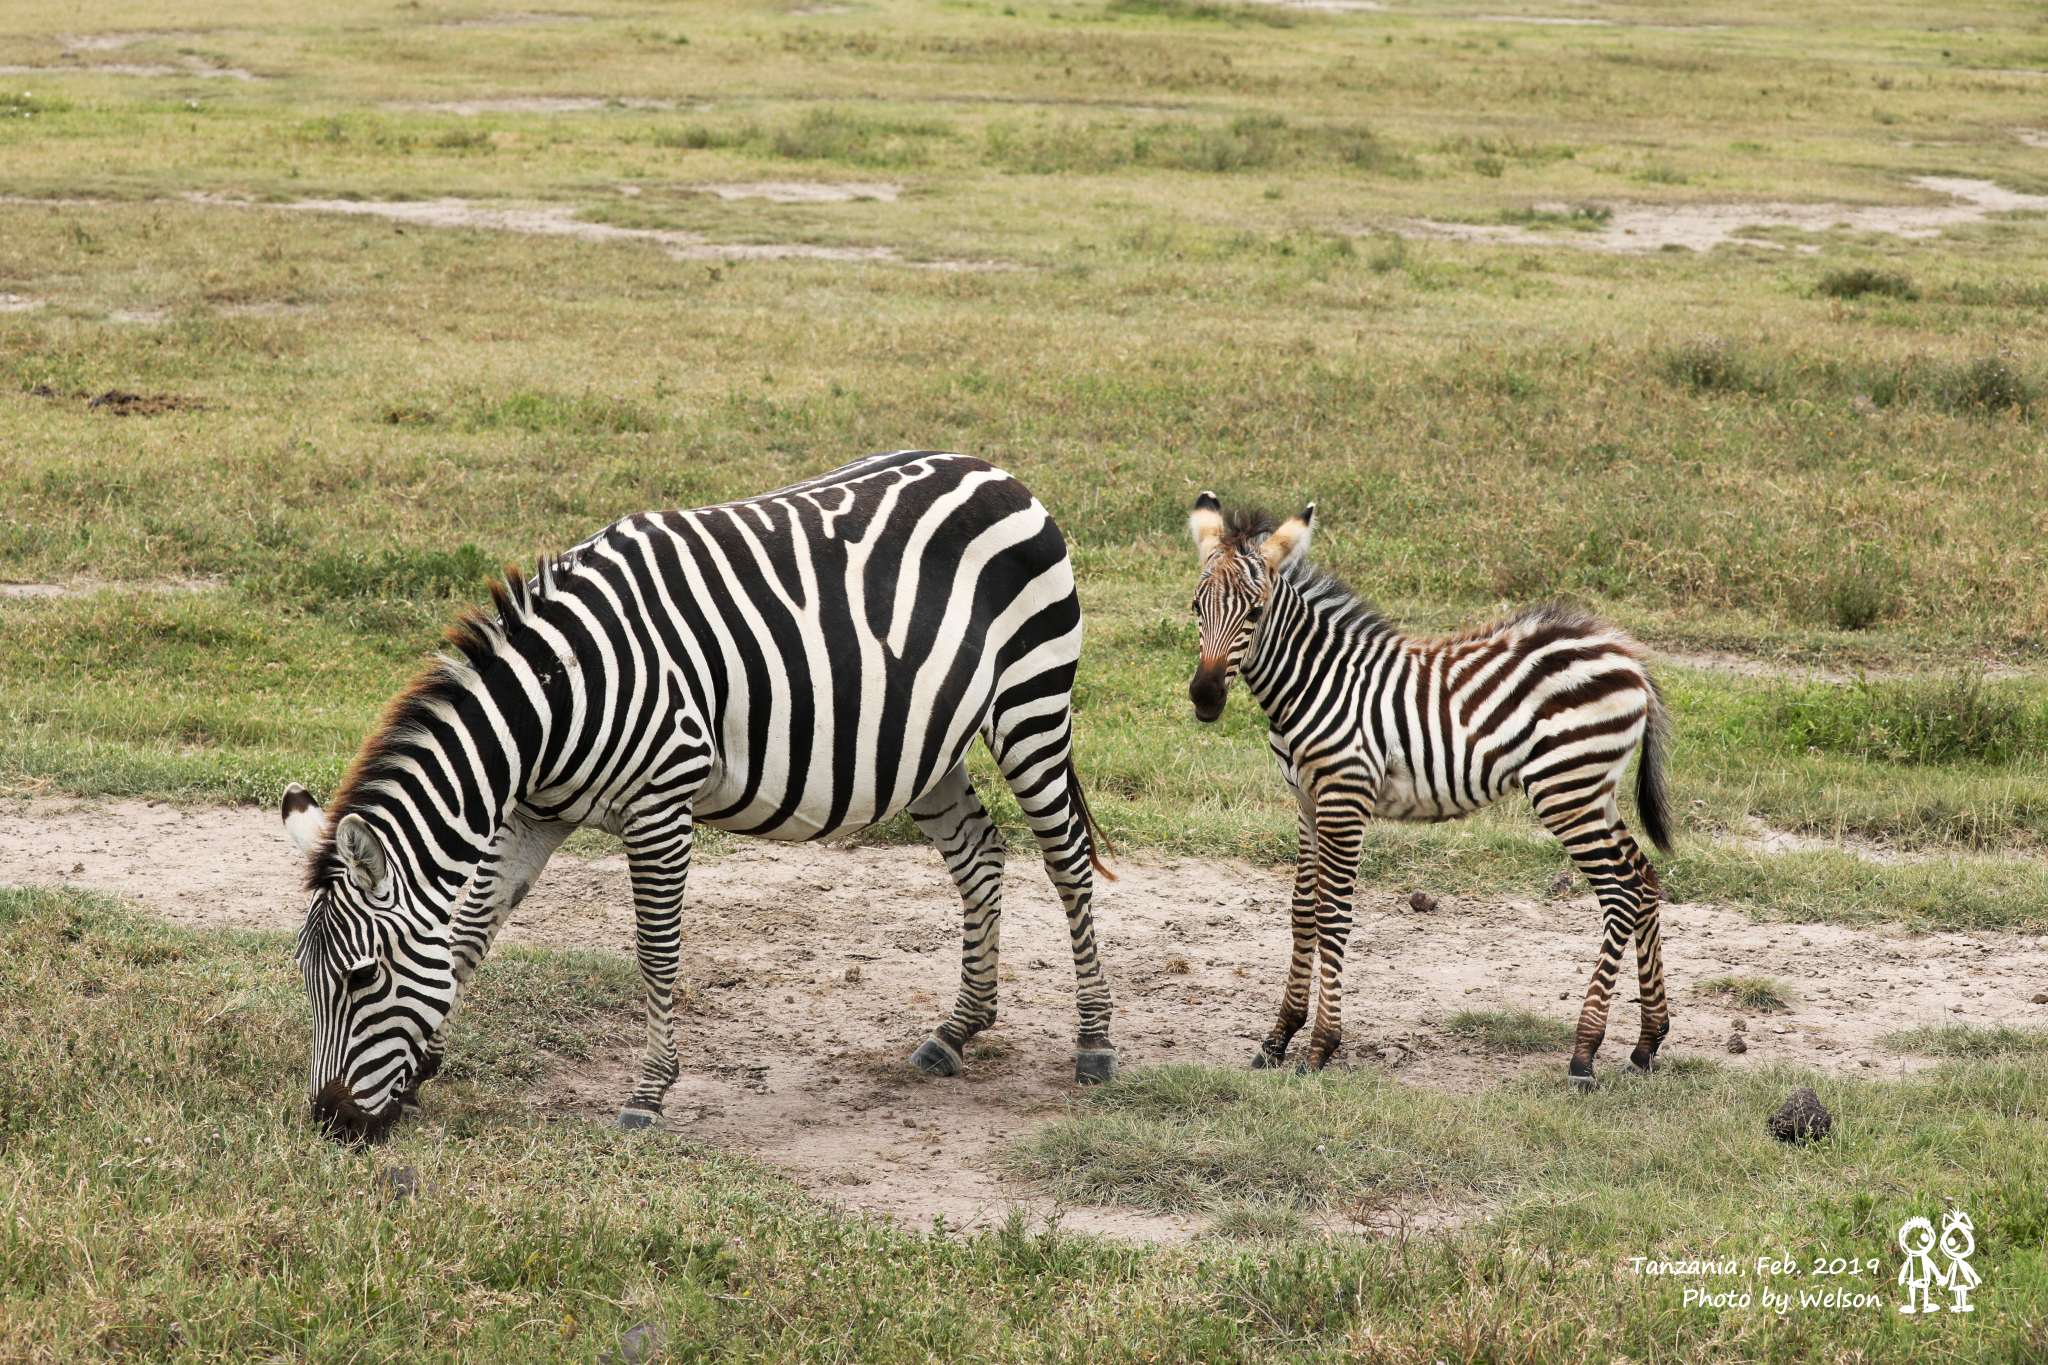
pixel 1641 1068
pixel 630 1120
pixel 1580 1077
pixel 935 1058
pixel 1265 1059
pixel 1095 1066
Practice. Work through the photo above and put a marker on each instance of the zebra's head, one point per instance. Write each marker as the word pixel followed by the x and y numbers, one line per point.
pixel 379 987
pixel 1241 558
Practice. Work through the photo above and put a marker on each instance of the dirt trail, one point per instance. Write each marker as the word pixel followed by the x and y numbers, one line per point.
pixel 785 1058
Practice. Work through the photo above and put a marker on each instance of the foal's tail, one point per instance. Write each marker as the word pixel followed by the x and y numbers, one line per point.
pixel 1096 838
pixel 1653 807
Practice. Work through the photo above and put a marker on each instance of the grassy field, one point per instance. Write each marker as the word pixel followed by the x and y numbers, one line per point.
pixel 165 1201
pixel 1135 248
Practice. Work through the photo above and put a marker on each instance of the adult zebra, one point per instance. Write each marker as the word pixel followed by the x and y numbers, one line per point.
pixel 793 666
pixel 1366 722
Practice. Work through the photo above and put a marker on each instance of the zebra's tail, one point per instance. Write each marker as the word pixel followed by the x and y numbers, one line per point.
pixel 1096 838
pixel 1653 807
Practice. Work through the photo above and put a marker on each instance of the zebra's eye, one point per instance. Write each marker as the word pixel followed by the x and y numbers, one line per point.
pixel 1196 606
pixel 362 978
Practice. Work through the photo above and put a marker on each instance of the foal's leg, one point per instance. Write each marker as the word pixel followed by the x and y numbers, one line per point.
pixel 1340 838
pixel 1589 825
pixel 1649 964
pixel 953 818
pixel 1294 996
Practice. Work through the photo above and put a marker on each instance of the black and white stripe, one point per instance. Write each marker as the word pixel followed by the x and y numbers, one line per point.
pixel 1366 722
pixel 795 666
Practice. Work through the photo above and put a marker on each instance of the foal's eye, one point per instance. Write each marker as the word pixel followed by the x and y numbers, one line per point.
pixel 1196 606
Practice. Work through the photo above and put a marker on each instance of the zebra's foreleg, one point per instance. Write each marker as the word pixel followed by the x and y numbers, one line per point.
pixel 1649 961
pixel 1340 836
pixel 430 1062
pixel 1294 996
pixel 658 849
pixel 953 818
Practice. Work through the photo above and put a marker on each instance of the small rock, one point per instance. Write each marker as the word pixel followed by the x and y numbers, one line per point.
pixel 1741 1024
pixel 1561 884
pixel 853 973
pixel 398 1182
pixel 639 1345
pixel 1422 902
pixel 1736 1045
pixel 910 1123
pixel 2041 998
pixel 1802 1117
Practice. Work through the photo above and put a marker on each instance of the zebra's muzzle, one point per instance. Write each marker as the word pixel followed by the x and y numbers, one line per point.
pixel 335 1109
pixel 1209 689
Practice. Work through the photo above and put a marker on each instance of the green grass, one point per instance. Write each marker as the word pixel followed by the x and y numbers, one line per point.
pixel 167 1199
pixel 1552 1195
pixel 1760 994
pixel 1510 1030
pixel 1968 1040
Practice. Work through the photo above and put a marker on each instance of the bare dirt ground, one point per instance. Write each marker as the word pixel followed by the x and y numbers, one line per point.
pixel 787 1059
pixel 1703 226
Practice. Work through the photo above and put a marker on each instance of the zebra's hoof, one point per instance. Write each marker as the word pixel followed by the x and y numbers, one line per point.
pixel 1094 1066
pixel 935 1058
pixel 1267 1060
pixel 1580 1085
pixel 1643 1067
pixel 633 1119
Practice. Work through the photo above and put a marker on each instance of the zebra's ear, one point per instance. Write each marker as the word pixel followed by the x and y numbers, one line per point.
pixel 1290 542
pixel 304 822
pixel 362 854
pixel 1206 523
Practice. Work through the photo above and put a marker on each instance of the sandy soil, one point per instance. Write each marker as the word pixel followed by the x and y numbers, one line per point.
pixel 1701 227
pixel 561 221
pixel 804 191
pixel 190 67
pixel 786 1058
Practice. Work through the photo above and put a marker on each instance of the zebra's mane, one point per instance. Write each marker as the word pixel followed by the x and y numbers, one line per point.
pixel 475 640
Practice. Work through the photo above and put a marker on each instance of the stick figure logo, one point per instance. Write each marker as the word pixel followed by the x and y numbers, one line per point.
pixel 1958 1244
pixel 1919 1274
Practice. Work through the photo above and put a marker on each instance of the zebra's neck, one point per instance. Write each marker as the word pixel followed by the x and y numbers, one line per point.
pixel 1314 634
pixel 443 769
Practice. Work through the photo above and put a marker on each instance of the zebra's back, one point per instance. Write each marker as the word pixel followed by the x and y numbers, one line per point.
pixel 1460 721
pixel 832 647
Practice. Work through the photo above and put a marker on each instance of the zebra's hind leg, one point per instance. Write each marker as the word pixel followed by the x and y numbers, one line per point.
pixel 1589 825
pixel 658 845
pixel 1037 760
pixel 953 818
pixel 1649 968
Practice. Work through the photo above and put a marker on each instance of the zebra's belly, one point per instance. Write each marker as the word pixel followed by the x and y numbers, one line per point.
pixel 1402 797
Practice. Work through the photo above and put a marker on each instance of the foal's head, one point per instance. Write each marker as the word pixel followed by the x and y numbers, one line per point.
pixel 1241 558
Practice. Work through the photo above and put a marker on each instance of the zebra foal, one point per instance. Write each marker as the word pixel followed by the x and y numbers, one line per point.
pixel 1366 722
pixel 794 666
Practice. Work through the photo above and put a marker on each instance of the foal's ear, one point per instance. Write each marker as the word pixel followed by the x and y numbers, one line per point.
pixel 1206 523
pixel 1290 542
pixel 304 822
